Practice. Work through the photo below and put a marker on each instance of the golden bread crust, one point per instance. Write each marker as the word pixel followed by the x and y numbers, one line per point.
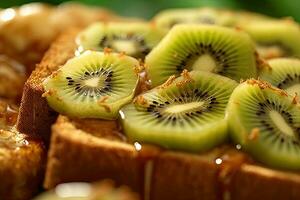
pixel 94 158
pixel 35 116
pixel 93 154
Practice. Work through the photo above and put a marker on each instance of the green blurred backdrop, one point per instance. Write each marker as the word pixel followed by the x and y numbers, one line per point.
pixel 147 8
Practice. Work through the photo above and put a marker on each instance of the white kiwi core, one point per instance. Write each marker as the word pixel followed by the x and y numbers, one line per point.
pixel 183 107
pixel 281 124
pixel 205 63
pixel 94 82
pixel 293 89
pixel 126 46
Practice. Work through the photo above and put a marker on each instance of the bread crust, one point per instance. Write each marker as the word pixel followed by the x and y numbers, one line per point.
pixel 35 116
pixel 99 152
pixel 88 157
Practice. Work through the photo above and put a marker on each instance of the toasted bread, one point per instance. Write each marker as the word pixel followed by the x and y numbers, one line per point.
pixel 93 154
pixel 21 167
pixel 22 158
pixel 35 116
pixel 88 150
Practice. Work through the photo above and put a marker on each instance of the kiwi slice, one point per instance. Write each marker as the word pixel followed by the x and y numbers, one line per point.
pixel 221 50
pixel 134 39
pixel 283 73
pixel 92 85
pixel 170 17
pixel 186 113
pixel 274 39
pixel 244 17
pixel 265 121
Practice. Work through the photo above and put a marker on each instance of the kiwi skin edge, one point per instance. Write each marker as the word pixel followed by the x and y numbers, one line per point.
pixel 251 140
pixel 61 100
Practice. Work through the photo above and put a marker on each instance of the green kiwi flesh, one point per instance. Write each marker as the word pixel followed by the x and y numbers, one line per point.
pixel 244 17
pixel 225 51
pixel 275 39
pixel 92 85
pixel 169 18
pixel 134 39
pixel 283 73
pixel 265 121
pixel 184 114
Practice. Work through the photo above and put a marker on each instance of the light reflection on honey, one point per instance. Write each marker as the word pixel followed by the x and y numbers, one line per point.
pixel 10 138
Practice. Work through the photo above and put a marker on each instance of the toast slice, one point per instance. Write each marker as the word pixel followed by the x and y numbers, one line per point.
pixel 35 116
pixel 22 162
pixel 88 150
pixel 22 158
pixel 94 155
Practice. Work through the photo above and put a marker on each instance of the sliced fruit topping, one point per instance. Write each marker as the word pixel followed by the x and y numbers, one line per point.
pixel 244 17
pixel 93 85
pixel 265 121
pixel 274 39
pixel 169 18
pixel 224 51
pixel 283 73
pixel 134 39
pixel 186 113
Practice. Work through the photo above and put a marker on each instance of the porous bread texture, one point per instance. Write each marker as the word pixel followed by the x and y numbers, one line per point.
pixel 21 171
pixel 90 149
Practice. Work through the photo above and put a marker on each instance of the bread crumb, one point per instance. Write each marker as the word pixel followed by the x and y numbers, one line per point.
pixel 141 101
pixel 261 63
pixel 254 134
pixel 122 54
pixel 238 28
pixel 103 99
pixel 168 82
pixel 138 69
pixel 101 102
pixel 295 98
pixel 54 74
pixel 186 78
pixel 266 85
pixel 107 50
pixel 50 92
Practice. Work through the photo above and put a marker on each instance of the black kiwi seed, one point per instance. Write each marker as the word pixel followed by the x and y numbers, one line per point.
pixel 80 88
pixel 268 124
pixel 174 114
pixel 157 108
pixel 218 55
pixel 285 74
pixel 138 41
pixel 288 81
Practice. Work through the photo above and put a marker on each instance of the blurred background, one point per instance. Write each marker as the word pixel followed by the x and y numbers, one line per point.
pixel 147 8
